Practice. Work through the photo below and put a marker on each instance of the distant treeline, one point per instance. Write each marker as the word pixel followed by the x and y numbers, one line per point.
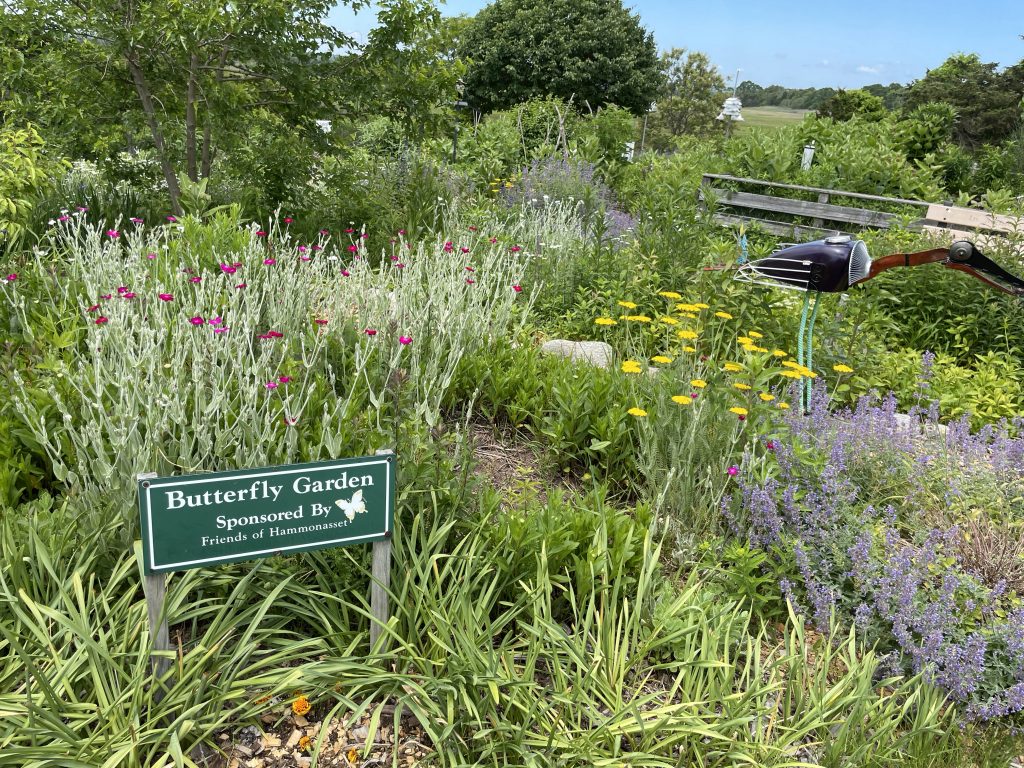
pixel 754 95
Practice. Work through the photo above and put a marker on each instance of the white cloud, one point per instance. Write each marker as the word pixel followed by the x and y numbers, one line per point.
pixel 869 70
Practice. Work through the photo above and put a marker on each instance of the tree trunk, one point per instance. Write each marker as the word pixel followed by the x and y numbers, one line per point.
pixel 146 99
pixel 190 119
pixel 207 151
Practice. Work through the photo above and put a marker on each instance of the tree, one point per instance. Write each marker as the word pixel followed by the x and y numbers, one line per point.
pixel 692 93
pixel 189 73
pixel 594 52
pixel 987 101
pixel 845 105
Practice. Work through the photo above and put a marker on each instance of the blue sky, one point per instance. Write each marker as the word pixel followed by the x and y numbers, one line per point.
pixel 838 44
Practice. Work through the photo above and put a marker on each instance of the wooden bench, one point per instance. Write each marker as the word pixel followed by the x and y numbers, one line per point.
pixel 951 223
pixel 734 205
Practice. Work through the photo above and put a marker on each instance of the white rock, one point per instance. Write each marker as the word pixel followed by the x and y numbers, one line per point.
pixel 597 353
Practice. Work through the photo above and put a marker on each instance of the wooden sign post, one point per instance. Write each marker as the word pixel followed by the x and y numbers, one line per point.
pixel 191 521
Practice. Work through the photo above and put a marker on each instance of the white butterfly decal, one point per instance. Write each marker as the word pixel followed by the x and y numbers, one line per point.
pixel 353 506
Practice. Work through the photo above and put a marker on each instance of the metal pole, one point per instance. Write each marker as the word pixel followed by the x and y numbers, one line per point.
pixel 455 142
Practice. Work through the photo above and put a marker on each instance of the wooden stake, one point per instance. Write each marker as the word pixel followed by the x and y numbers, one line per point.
pixel 381 580
pixel 155 587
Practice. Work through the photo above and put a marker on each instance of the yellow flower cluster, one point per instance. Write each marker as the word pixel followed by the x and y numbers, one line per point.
pixel 631 366
pixel 604 321
pixel 670 295
pixel 637 318
pixel 796 371
pixel 686 334
pixel 627 304
pixel 638 412
pixel 842 368
pixel 662 359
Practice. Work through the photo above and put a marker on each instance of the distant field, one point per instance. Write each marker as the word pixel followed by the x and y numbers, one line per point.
pixel 771 117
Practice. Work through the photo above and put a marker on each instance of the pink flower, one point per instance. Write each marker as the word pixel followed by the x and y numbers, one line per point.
pixel 448 247
pixel 320 321
pixel 770 445
pixel 284 379
pixel 172 219
pixel 12 277
pixel 733 471
pixel 82 208
pixel 370 331
pixel 694 395
pixel 400 265
pixel 166 296
pixel 401 232
pixel 517 288
pixel 494 240
pixel 305 258
pixel 197 320
pixel 353 248
pixel 515 249
pixel 150 255
pixel 227 269
pixel 270 262
pixel 135 220
pixel 275 334
pixel 472 228
pixel 464 249
pixel 101 320
pixel 128 295
pixel 271 385
pixel 264 336
pixel 196 279
pixel 220 330
pixel 122 289
pixel 324 232
pixel 216 321
pixel 405 340
pixel 260 233
pixel 364 236
pixel 237 264
pixel 93 308
pixel 349 231
pixel 105 296
pixel 288 219
pixel 241 285
pixel 113 234
pixel 302 249
pixel 470 269
pixel 394 258
pixel 63 217
pixel 345 273
pixel 470 281
pixel 316 247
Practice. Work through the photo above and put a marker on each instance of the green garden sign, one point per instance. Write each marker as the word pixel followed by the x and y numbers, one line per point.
pixel 199 520
pixel 190 521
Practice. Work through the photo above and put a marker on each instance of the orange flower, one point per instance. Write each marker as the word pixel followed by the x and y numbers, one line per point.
pixel 301 706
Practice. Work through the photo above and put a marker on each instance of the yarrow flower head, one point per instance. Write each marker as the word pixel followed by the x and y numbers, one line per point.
pixel 631 366
pixel 682 399
pixel 741 412
pixel 637 412
pixel 604 321
pixel 687 334
pixel 842 368
pixel 670 295
pixel 627 304
pixel 661 359
pixel 698 383
pixel 723 315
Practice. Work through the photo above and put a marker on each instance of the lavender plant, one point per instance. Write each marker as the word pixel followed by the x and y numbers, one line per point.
pixel 868 507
